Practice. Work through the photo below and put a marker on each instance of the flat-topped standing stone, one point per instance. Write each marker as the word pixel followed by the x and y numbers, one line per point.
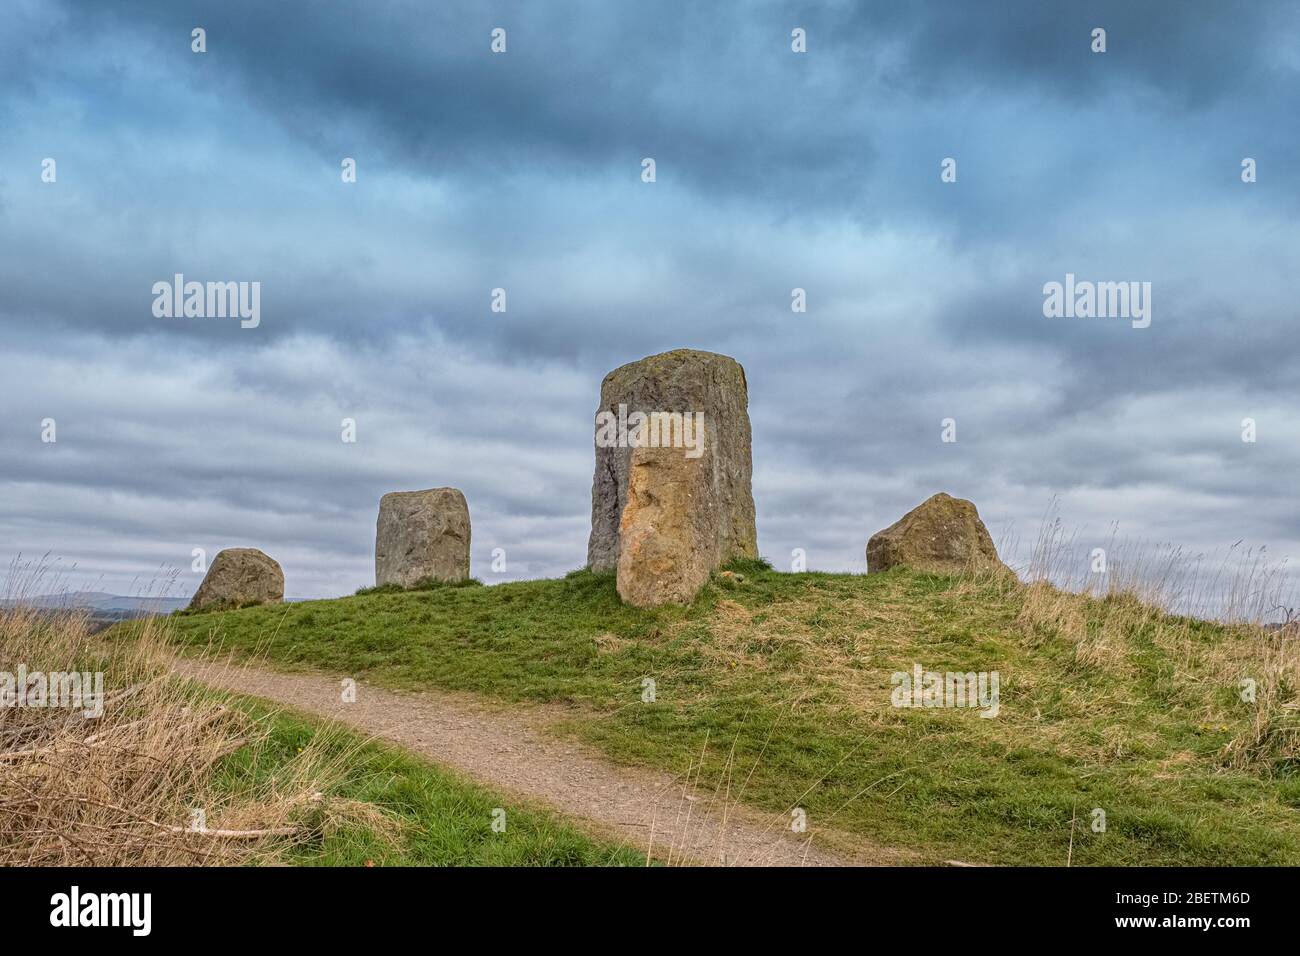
pixel 682 381
pixel 422 534
pixel 240 576
pixel 942 534
pixel 668 534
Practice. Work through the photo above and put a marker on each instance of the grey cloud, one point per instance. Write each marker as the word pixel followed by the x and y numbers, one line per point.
pixel 775 171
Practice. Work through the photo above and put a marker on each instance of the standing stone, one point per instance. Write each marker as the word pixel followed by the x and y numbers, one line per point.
pixel 240 576
pixel 943 534
pixel 422 534
pixel 682 381
pixel 668 537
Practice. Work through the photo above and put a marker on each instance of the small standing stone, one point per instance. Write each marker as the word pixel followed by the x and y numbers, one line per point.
pixel 943 534
pixel 422 534
pixel 240 576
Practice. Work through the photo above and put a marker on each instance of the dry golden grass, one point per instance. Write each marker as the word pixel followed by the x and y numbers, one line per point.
pixel 123 788
pixel 1099 640
pixel 1077 668
pixel 1273 734
pixel 1111 619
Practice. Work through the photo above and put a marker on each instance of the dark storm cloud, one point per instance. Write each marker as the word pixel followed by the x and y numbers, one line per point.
pixel 592 82
pixel 1016 46
pixel 712 93
pixel 584 85
pixel 546 141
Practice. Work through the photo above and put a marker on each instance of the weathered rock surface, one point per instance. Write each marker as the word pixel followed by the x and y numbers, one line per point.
pixel 943 534
pixel 682 381
pixel 240 576
pixel 422 534
pixel 668 536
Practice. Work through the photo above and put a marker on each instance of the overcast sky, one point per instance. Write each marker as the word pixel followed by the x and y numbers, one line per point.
pixel 522 170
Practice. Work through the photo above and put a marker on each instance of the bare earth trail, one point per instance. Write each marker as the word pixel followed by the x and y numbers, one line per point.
pixel 509 751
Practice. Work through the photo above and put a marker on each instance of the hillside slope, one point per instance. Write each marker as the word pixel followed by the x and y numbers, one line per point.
pixel 777 689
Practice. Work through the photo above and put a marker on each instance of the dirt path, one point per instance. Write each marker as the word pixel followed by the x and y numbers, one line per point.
pixel 510 752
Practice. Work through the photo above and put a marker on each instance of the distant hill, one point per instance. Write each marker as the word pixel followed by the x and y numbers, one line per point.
pixel 101 602
pixel 103 608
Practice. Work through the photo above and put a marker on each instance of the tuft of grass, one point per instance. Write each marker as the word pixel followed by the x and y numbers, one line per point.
pixel 747 565
pixel 116 780
pixel 424 584
pixel 1107 702
pixel 215 607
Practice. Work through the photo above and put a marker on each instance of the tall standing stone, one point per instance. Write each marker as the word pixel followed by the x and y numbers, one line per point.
pixel 238 577
pixel 422 534
pixel 682 381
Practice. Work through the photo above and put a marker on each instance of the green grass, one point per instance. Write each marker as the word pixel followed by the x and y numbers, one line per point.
pixel 443 820
pixel 1104 704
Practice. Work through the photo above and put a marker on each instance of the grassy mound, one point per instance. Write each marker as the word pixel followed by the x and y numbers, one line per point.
pixel 777 689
